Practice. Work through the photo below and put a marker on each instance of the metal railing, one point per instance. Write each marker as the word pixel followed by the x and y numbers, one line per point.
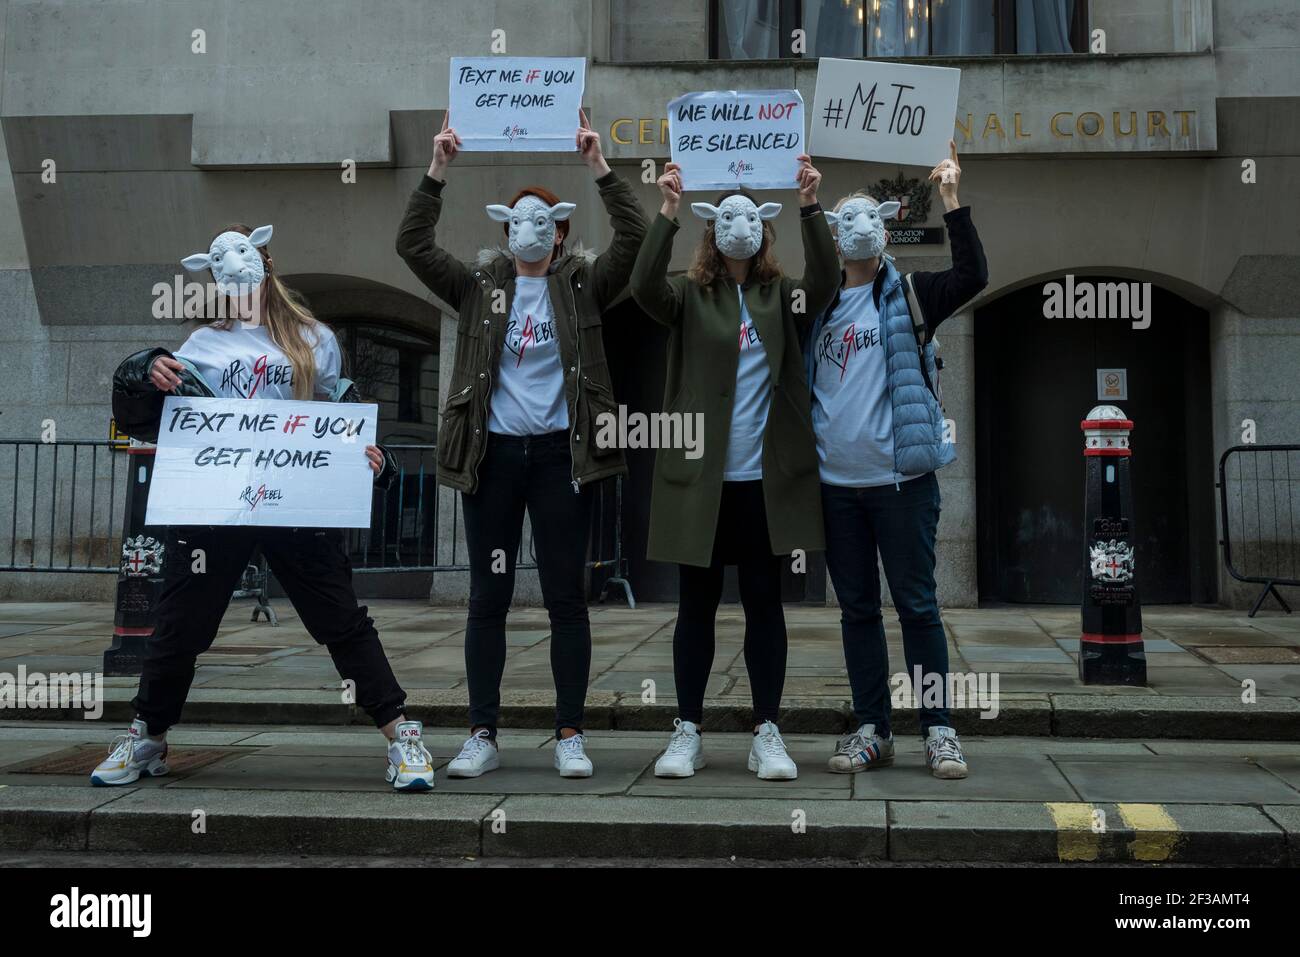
pixel 1259 498
pixel 63 510
pixel 63 513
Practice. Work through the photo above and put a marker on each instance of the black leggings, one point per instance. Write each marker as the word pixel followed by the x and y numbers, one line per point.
pixel 312 567
pixel 741 540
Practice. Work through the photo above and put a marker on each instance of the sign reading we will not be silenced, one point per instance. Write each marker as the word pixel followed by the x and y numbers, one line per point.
pixel 884 112
pixel 731 138
pixel 262 462
pixel 516 104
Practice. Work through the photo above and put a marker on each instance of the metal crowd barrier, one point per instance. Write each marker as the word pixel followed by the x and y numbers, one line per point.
pixel 63 509
pixel 1259 498
pixel 63 513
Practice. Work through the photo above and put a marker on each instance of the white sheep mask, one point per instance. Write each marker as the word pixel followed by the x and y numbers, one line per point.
pixel 532 226
pixel 737 224
pixel 860 227
pixel 234 259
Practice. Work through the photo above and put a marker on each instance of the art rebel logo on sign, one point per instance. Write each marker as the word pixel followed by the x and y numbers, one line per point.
pixel 253 497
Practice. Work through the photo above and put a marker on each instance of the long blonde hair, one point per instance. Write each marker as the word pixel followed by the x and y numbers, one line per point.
pixel 287 320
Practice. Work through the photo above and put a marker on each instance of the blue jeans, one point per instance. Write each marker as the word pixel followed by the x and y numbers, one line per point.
pixel 901 522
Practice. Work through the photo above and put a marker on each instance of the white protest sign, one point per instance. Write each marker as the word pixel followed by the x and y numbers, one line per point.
pixel 884 112
pixel 730 138
pixel 262 462
pixel 513 104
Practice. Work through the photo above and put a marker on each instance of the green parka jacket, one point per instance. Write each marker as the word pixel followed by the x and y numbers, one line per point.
pixel 703 354
pixel 580 289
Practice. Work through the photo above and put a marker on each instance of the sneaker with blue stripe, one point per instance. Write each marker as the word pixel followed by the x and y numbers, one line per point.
pixel 132 754
pixel 863 750
pixel 410 765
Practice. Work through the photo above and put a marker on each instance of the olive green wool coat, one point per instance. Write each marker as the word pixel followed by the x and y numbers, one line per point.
pixel 703 355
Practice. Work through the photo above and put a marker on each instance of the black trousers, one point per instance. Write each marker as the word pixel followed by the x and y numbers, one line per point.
pixel 312 566
pixel 741 540
pixel 533 472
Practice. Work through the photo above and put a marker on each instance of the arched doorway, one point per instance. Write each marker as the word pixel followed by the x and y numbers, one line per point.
pixel 399 371
pixel 390 344
pixel 1035 379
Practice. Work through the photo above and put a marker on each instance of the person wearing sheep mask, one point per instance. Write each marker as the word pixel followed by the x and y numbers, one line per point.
pixel 748 495
pixel 518 431
pixel 873 374
pixel 263 343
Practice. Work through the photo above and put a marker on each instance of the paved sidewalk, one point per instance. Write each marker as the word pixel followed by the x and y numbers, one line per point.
pixel 303 790
pixel 1199 661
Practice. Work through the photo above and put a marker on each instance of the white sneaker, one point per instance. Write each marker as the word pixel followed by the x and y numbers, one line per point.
pixel 477 756
pixel 684 754
pixel 862 751
pixel 131 755
pixel 768 756
pixel 410 766
pixel 943 753
pixel 570 759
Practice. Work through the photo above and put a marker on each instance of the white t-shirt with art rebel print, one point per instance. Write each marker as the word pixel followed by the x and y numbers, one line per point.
pixel 243 362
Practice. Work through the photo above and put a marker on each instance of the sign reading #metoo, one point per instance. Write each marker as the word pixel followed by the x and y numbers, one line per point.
pixel 262 462
pixel 884 112
pixel 735 138
pixel 516 104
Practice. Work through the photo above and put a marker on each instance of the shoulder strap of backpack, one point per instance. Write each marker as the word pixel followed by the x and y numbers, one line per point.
pixel 918 330
pixel 915 311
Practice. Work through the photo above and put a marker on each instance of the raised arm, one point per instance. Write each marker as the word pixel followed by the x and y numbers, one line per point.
pixel 613 267
pixel 651 287
pixel 942 293
pixel 821 262
pixel 417 244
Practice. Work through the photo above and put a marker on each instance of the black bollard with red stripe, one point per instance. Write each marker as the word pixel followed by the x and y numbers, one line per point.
pixel 140 578
pixel 1110 646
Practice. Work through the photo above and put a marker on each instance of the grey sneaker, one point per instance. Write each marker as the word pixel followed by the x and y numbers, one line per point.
pixel 943 753
pixel 862 751
pixel 132 754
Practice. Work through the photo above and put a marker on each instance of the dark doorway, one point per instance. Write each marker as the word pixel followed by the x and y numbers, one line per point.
pixel 1036 379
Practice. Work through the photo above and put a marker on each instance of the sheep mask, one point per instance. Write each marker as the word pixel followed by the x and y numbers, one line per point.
pixel 532 226
pixel 860 227
pixel 234 259
pixel 737 224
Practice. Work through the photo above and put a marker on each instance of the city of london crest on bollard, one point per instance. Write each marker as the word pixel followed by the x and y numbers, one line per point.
pixel 1110 645
pixel 140 574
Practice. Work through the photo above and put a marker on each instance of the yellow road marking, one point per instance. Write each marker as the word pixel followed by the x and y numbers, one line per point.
pixel 1075 838
pixel 1155 833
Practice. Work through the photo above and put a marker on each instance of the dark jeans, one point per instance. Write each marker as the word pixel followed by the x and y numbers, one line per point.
pixel 741 540
pixel 312 567
pixel 901 522
pixel 533 472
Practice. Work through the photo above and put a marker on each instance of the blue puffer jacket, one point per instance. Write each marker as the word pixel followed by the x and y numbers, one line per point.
pixel 918 425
